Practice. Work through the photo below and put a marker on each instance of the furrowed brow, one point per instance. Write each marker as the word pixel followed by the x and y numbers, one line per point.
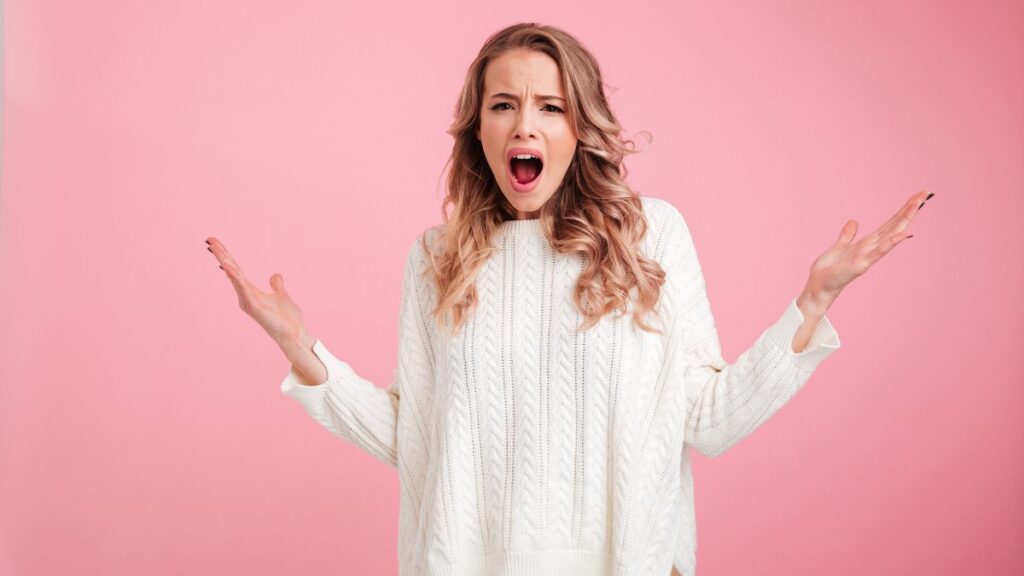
pixel 536 97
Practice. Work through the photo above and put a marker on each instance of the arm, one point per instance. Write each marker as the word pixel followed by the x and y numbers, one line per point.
pixel 812 315
pixel 727 402
pixel 299 351
pixel 354 408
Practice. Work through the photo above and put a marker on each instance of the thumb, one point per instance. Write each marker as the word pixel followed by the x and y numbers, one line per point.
pixel 848 232
pixel 277 283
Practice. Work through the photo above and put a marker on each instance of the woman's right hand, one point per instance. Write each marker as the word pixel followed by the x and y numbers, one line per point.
pixel 276 312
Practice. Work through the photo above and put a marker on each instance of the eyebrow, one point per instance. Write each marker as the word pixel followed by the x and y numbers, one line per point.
pixel 516 98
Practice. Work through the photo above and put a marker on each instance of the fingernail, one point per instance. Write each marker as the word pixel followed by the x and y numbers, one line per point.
pixel 930 194
pixel 211 249
pixel 911 236
pixel 921 205
pixel 207 242
pixel 221 267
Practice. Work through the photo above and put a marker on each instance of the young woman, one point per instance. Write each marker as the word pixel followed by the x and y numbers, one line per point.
pixel 558 356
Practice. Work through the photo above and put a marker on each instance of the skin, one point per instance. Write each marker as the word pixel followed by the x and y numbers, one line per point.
pixel 526 119
pixel 506 122
pixel 276 313
pixel 847 260
pixel 831 272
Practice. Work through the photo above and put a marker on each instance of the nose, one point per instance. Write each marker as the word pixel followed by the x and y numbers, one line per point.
pixel 525 124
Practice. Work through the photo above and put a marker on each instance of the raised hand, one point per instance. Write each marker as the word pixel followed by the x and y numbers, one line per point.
pixel 276 312
pixel 846 259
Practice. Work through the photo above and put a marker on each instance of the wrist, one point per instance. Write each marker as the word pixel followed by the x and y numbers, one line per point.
pixel 814 303
pixel 298 342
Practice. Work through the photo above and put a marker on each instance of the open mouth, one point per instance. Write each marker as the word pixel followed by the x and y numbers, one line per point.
pixel 525 168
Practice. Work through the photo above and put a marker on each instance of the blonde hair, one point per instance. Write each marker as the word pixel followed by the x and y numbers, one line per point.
pixel 593 213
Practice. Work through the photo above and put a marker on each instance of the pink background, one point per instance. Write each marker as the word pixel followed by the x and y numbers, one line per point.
pixel 142 427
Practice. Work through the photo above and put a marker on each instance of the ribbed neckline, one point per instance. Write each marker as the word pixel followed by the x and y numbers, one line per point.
pixel 527 227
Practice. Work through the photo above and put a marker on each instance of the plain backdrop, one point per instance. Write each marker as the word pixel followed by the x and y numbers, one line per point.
pixel 142 430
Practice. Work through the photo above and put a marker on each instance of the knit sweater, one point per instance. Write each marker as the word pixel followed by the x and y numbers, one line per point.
pixel 526 448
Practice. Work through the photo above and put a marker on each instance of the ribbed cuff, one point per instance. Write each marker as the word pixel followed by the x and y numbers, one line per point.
pixel 311 396
pixel 823 342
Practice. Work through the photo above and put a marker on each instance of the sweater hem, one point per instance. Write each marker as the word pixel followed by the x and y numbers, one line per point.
pixel 542 563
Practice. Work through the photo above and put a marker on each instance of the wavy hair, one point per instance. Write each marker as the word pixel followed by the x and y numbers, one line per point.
pixel 593 212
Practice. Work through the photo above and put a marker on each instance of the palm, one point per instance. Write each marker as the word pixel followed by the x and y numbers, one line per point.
pixel 276 312
pixel 847 259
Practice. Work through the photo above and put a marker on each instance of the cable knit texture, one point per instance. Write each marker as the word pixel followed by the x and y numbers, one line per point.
pixel 525 448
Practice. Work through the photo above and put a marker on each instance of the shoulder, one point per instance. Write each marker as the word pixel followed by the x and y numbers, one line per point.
pixel 665 222
pixel 417 259
pixel 425 240
pixel 661 212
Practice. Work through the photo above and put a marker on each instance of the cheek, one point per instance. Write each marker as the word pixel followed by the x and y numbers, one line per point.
pixel 563 141
pixel 495 125
pixel 566 150
pixel 490 143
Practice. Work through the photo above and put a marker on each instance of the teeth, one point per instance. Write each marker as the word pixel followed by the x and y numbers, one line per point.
pixel 525 157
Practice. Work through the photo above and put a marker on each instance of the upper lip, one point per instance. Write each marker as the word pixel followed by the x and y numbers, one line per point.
pixel 521 150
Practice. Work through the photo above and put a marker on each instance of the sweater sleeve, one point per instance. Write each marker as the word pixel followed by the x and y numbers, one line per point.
pixel 727 402
pixel 354 408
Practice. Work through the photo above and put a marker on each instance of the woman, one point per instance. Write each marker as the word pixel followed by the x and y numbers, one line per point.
pixel 558 354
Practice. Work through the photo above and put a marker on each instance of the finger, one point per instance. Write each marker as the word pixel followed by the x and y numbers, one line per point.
pixel 277 283
pixel 218 248
pixel 239 281
pixel 905 219
pixel 902 218
pixel 247 292
pixel 886 245
pixel 848 232
pixel 910 203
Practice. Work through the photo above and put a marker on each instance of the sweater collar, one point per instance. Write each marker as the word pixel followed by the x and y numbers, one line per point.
pixel 521 228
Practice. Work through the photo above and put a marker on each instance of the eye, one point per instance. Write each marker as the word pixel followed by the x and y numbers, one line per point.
pixel 552 106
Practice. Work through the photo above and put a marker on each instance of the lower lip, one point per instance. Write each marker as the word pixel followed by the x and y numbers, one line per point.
pixel 524 188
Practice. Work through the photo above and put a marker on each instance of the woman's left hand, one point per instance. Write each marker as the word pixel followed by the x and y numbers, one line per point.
pixel 846 259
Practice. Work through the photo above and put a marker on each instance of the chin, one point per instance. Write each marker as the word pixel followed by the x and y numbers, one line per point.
pixel 525 204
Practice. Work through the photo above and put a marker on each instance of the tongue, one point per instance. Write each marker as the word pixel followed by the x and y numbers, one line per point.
pixel 525 170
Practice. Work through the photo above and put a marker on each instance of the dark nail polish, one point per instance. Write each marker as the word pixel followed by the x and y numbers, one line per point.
pixel 207 242
pixel 921 205
pixel 210 249
pixel 911 236
pixel 221 267
pixel 930 194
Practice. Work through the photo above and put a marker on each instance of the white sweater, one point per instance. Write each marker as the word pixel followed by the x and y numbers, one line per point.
pixel 523 448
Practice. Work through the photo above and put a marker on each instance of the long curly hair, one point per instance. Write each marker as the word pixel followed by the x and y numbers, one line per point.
pixel 593 212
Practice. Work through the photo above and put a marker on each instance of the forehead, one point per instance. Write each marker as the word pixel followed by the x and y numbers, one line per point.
pixel 520 70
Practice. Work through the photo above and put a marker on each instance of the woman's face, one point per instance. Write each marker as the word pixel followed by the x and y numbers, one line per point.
pixel 523 112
